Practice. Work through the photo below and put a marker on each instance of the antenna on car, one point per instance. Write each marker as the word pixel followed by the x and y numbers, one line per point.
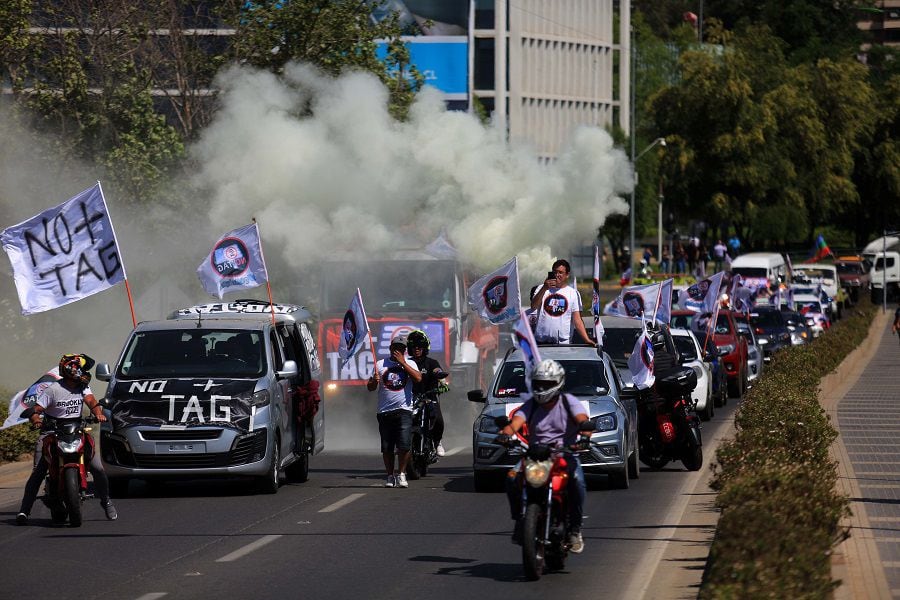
pixel 199 313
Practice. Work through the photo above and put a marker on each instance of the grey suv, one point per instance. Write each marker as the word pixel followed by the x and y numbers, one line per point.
pixel 211 392
pixel 593 379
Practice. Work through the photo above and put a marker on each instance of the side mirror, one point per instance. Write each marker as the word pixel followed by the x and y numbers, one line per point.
pixel 476 396
pixel 709 357
pixel 602 391
pixel 722 351
pixel 102 372
pixel 628 386
pixel 288 370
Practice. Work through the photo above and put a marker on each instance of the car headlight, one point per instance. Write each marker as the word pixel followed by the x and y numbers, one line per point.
pixel 537 472
pixel 487 425
pixel 604 422
pixel 260 398
pixel 727 348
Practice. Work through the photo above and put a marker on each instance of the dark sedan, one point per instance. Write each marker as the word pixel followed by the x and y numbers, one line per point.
pixel 771 329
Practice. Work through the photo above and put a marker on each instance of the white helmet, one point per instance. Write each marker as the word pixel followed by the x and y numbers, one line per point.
pixel 547 380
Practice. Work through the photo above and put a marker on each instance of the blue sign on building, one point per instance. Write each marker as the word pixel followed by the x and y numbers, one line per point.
pixel 442 60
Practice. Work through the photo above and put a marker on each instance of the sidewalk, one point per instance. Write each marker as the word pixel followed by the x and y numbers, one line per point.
pixel 12 483
pixel 862 397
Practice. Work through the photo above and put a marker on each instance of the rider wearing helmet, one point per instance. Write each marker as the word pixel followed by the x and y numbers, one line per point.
pixel 553 417
pixel 62 399
pixel 418 345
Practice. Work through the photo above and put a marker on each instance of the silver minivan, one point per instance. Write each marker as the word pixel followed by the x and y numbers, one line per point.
pixel 215 390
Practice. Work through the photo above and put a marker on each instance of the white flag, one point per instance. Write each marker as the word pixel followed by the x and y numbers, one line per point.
pixel 702 296
pixel 235 263
pixel 27 398
pixel 653 300
pixel 64 254
pixel 640 363
pixel 496 296
pixel 355 329
pixel 524 339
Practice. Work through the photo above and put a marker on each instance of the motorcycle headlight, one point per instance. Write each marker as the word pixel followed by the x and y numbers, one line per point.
pixel 487 425
pixel 69 447
pixel 260 398
pixel 537 472
pixel 605 422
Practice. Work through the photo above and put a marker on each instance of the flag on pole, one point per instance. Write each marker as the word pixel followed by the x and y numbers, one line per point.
pixel 496 296
pixel 702 296
pixel 524 340
pixel 235 263
pixel 653 300
pixel 64 254
pixel 355 329
pixel 821 249
pixel 640 363
pixel 595 301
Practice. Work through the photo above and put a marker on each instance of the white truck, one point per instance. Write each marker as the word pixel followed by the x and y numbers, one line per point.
pixel 884 253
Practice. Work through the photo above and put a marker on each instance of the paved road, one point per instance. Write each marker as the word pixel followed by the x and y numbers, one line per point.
pixel 343 535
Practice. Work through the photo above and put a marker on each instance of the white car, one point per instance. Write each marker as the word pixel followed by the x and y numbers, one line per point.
pixel 689 348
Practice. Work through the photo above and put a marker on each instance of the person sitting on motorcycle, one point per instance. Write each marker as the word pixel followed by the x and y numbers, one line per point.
pixel 63 400
pixel 552 417
pixel 418 345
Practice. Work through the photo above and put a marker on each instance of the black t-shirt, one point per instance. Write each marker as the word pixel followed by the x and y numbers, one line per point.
pixel 427 366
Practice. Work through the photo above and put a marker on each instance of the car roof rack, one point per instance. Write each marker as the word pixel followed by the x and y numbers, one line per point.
pixel 246 306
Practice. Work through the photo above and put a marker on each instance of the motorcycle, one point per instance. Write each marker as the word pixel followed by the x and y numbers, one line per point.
pixel 64 447
pixel 423 450
pixel 669 429
pixel 544 481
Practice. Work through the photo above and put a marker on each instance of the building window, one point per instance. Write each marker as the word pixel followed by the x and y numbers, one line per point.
pixel 484 14
pixel 484 63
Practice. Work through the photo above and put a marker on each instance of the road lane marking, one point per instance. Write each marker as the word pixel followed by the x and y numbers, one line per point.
pixel 455 451
pixel 341 503
pixel 153 596
pixel 267 539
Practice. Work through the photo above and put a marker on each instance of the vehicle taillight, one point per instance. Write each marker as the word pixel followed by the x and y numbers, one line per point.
pixel 759 330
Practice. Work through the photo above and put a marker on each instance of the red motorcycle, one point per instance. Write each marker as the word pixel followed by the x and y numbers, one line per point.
pixel 544 480
pixel 669 429
pixel 67 447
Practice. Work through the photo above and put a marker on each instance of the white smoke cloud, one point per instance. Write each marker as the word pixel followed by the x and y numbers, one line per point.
pixel 324 168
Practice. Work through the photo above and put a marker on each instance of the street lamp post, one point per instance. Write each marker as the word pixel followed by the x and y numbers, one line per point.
pixel 634 159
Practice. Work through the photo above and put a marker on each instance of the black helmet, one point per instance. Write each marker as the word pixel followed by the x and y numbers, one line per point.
pixel 418 339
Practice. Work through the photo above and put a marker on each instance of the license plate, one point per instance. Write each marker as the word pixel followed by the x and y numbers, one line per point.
pixel 182 447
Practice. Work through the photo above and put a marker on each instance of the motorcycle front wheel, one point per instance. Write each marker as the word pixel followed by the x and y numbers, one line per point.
pixel 72 496
pixel 533 542
pixel 416 467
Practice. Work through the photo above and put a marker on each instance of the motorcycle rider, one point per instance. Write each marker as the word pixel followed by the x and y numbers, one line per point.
pixel 63 400
pixel 418 344
pixel 553 417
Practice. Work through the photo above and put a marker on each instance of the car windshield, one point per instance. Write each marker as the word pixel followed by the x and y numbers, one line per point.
pixel 813 274
pixel 754 272
pixel 686 348
pixel 805 307
pixel 850 269
pixel 767 318
pixel 396 286
pixel 793 319
pixel 619 343
pixel 682 321
pixel 583 378
pixel 194 353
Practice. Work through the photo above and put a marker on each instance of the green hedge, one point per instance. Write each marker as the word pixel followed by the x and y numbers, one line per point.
pixel 17 441
pixel 776 482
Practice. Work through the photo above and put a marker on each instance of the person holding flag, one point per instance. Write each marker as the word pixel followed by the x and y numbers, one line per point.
pixel 558 307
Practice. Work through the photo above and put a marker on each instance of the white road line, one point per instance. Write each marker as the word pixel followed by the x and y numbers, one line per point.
pixel 341 503
pixel 153 596
pixel 267 539
pixel 456 450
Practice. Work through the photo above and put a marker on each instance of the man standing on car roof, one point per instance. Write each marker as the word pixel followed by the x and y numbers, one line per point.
pixel 394 378
pixel 558 307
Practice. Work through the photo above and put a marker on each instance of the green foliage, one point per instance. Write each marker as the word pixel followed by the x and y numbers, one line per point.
pixel 776 482
pixel 17 441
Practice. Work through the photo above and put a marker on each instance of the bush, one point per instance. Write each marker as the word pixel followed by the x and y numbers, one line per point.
pixel 776 482
pixel 17 441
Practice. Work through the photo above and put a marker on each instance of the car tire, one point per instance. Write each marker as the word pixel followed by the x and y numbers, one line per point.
pixel 298 471
pixel 634 469
pixel 619 480
pixel 708 411
pixel 269 483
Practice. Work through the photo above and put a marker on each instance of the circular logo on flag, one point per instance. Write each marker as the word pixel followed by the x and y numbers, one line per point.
pixel 495 294
pixel 698 290
pixel 633 303
pixel 230 257
pixel 555 305
pixel 349 331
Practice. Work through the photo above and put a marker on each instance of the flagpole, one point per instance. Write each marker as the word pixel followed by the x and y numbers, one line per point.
pixel 263 256
pixel 658 298
pixel 362 307
pixel 121 258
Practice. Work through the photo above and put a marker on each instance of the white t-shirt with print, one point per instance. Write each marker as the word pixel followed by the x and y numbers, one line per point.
pixel 395 390
pixel 60 403
pixel 554 322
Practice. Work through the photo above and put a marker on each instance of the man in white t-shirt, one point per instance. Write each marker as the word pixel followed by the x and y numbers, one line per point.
pixel 394 378
pixel 558 307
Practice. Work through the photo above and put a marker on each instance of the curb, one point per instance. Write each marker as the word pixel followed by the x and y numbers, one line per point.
pixel 855 562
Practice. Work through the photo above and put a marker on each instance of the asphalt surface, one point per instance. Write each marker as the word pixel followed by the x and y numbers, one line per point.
pixel 342 534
